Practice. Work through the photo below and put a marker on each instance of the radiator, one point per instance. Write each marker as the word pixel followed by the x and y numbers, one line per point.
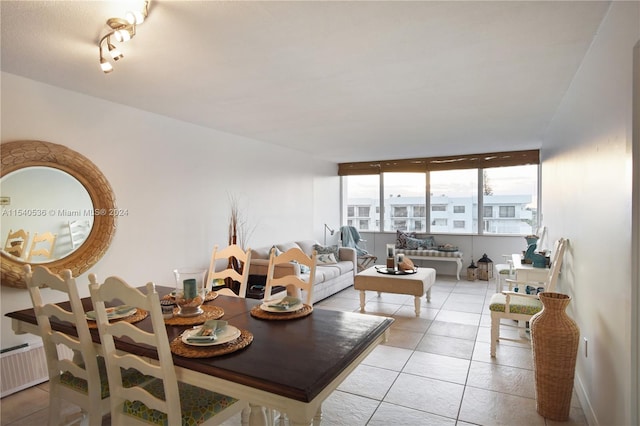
pixel 25 367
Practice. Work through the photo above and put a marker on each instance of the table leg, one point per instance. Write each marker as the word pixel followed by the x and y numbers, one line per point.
pixel 416 302
pixel 258 416
pixel 362 300
pixel 318 417
pixel 429 295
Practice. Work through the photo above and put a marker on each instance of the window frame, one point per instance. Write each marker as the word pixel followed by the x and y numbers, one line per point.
pixel 429 164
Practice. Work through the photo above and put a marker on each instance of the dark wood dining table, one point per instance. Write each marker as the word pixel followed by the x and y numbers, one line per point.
pixel 291 365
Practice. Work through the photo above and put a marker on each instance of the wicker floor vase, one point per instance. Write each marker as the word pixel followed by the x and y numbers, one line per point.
pixel 554 337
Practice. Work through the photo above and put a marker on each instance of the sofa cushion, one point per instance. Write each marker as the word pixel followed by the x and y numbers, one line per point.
pixel 287 246
pixel 307 246
pixel 260 253
pixel 326 273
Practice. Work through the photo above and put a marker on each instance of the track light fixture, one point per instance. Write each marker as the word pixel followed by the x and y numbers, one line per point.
pixel 121 30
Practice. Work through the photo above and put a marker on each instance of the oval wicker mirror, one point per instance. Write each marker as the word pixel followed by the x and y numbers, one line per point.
pixel 23 154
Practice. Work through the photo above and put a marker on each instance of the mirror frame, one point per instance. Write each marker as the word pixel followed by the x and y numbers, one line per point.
pixel 20 154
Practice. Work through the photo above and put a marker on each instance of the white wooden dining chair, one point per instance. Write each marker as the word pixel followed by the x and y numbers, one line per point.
pixel 520 306
pixel 42 246
pixel 82 380
pixel 242 257
pixel 16 243
pixel 295 284
pixel 161 399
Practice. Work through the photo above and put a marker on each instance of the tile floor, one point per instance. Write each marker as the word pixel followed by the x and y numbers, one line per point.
pixel 434 370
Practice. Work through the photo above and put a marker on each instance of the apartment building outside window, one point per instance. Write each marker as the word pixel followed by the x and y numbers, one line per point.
pixel 489 200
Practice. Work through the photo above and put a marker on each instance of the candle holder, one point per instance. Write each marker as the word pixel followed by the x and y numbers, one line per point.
pixel 190 291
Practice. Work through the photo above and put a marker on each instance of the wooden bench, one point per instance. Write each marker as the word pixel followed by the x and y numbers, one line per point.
pixel 435 255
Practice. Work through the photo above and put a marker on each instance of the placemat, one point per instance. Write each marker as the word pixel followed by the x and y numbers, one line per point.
pixel 208 298
pixel 178 347
pixel 259 313
pixel 139 315
pixel 210 312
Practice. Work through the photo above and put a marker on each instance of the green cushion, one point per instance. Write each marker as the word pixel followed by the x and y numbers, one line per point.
pixel 517 304
pixel 197 404
pixel 129 378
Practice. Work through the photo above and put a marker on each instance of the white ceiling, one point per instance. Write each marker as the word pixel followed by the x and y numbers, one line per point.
pixel 345 81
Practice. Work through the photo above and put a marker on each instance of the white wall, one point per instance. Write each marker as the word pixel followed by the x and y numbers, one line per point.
pixel 175 180
pixel 586 187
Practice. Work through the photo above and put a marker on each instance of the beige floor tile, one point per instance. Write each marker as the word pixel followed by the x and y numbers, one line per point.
pixel 430 395
pixel 388 357
pixel 511 356
pixel 368 381
pixel 409 312
pixel 502 378
pixel 23 403
pixel 439 367
pixel 450 329
pixel 443 345
pixel 410 322
pixel 473 307
pixel 378 307
pixel 390 414
pixel 404 339
pixel 483 407
pixel 459 317
pixel 343 408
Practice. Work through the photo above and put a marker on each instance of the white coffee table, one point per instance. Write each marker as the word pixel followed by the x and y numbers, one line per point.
pixel 412 284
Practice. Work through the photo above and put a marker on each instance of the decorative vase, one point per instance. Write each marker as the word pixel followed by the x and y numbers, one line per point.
pixel 554 339
pixel 190 291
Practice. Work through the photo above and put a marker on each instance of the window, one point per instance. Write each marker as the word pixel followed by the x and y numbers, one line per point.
pixel 363 211
pixel 399 211
pixel 403 193
pixel 452 191
pixel 362 196
pixel 400 225
pixel 507 211
pixel 514 192
pixel 490 193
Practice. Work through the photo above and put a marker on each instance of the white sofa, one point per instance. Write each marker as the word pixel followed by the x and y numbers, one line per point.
pixel 329 280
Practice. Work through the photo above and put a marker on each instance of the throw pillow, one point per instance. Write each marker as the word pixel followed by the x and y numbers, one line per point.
pixel 413 243
pixel 304 269
pixel 278 251
pixel 401 238
pixel 326 259
pixel 326 249
pixel 429 243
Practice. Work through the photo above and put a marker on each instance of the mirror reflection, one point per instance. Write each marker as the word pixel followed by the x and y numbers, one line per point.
pixel 46 214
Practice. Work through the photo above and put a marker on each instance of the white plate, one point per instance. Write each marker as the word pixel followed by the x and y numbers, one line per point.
pixel 293 308
pixel 228 334
pixel 115 312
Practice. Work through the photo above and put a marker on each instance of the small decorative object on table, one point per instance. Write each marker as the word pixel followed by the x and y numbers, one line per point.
pixel 190 291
